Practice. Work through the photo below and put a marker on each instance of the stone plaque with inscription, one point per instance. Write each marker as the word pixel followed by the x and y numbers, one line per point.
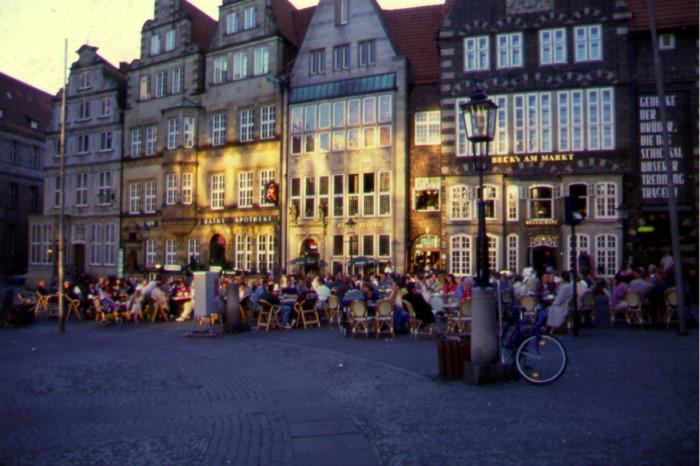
pixel 519 7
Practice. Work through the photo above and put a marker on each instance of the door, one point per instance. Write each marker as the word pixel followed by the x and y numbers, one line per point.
pixel 79 258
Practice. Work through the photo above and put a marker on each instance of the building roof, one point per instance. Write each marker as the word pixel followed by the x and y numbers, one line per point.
pixel 414 34
pixel 292 23
pixel 669 14
pixel 21 104
pixel 203 25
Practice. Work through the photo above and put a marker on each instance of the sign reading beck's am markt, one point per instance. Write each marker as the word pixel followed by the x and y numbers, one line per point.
pixel 653 167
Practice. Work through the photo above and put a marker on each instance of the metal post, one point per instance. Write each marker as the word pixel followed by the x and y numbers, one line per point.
pixel 61 196
pixel 482 251
pixel 574 277
pixel 672 204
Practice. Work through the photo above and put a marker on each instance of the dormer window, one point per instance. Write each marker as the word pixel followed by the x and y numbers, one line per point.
pixel 251 18
pixel 342 12
pixel 85 81
pixel 155 44
pixel 170 40
pixel 34 124
pixel 667 41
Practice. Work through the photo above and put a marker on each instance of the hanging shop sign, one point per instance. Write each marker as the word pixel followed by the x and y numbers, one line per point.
pixel 652 164
pixel 240 220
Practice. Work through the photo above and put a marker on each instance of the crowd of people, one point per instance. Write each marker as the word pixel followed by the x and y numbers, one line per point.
pixel 117 300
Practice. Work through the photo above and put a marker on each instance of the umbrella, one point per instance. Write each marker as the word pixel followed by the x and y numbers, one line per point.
pixel 303 260
pixel 362 260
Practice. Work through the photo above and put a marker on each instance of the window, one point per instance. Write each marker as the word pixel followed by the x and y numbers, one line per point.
pixel 354 116
pixel 216 192
pixel 552 46
pixel 341 57
pixel 161 84
pixel 368 188
pixel 220 70
pixel 510 50
pixel 106 106
pixel 580 190
pixel 250 20
pixel 193 250
pixel 261 61
pixel 149 198
pixel 81 189
pixel 104 188
pixel 41 244
pixel 476 53
pixel 266 253
pixel 240 65
pixel 173 133
pixel 353 198
pixel 187 188
pixel 588 43
pixel 155 44
pixel 600 119
pixel 576 120
pixel 33 198
pixel 266 176
pixel 171 188
pixel 134 198
pixel 606 200
pixel 493 251
pixel 512 205
pixel 427 194
pixel 545 122
pixel 57 192
pixel 460 255
pixel 218 129
pixel 35 244
pixel 106 141
pixel 338 245
pixel 83 143
pixel 12 195
pixel 317 61
pixel 110 244
pixel 85 81
pixel 170 254
pixel 232 23
pixel 151 136
pixel 246 123
pixel 245 189
pixel 582 245
pixel 367 53
pixel 267 122
pixel 427 128
pixel 151 252
pixel 512 253
pixel 533 123
pixel 339 114
pixel 295 194
pixel 170 40
pixel 667 41
pixel 564 120
pixel 384 194
pixel 178 80
pixel 384 246
pixel 490 202
pixel 145 88
pixel 338 197
pixel 342 12
pixel 309 197
pixel 244 252
pixel 541 202
pixel 96 239
pixel 606 254
pixel 368 245
pixel 519 124
pixel 84 110
pixel 460 202
pixel 188 131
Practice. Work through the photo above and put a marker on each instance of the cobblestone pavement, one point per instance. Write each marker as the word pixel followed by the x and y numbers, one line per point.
pixel 145 394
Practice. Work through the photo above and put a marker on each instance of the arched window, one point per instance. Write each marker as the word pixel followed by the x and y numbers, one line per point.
pixel 493 252
pixel 606 200
pixel 512 204
pixel 606 254
pixel 460 202
pixel 460 255
pixel 512 253
pixel 582 245
pixel 580 190
pixel 490 202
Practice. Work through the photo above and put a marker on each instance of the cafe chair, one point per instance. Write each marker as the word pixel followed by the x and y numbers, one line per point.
pixel 359 319
pixel 73 308
pixel 43 304
pixel 634 313
pixel 333 310
pixel 415 325
pixel 384 320
pixel 462 322
pixel 268 315
pixel 670 306
pixel 159 310
pixel 307 313
pixel 587 308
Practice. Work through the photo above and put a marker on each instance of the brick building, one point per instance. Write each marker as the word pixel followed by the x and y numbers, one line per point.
pixel 25 113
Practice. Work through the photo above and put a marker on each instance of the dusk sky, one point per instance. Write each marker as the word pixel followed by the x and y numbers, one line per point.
pixel 32 32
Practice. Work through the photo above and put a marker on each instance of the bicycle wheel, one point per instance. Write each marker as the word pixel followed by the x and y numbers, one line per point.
pixel 541 359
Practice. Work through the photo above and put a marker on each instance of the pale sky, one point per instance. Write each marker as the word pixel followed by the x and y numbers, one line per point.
pixel 32 32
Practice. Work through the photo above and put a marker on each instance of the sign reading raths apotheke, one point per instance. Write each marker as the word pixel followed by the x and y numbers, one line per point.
pixel 240 220
pixel 652 164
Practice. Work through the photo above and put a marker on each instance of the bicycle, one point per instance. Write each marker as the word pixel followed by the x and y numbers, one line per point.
pixel 540 359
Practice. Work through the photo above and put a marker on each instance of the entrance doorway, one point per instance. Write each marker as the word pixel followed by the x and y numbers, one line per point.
pixel 309 250
pixel 426 252
pixel 79 258
pixel 543 257
pixel 132 260
pixel 217 251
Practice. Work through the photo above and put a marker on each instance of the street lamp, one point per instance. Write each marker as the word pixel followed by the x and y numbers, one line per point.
pixel 479 116
pixel 350 225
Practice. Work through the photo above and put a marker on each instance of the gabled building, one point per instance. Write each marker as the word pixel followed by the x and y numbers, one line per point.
pixel 677 24
pixel 162 125
pixel 559 73
pixel 25 113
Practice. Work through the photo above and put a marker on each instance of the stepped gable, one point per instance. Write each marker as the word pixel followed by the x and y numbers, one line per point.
pixel 21 103
pixel 669 14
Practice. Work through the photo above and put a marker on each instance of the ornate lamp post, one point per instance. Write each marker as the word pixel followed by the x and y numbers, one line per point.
pixel 480 122
pixel 350 225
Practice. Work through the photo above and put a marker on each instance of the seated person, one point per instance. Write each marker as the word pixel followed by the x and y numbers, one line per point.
pixel 286 311
pixel 421 307
pixel 135 304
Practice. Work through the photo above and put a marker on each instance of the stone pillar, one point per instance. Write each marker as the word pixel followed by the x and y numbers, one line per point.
pixel 484 334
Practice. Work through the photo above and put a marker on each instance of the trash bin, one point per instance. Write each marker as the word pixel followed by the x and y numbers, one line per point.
pixel 453 352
